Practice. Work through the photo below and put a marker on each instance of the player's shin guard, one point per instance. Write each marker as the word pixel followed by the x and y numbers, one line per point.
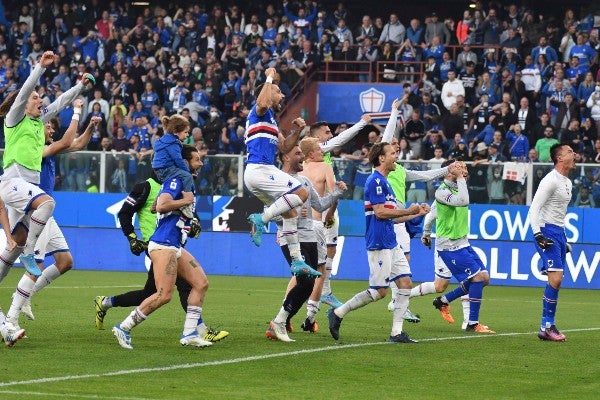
pixel 327 276
pixel 7 259
pixel 422 289
pixel 549 302
pixel 290 232
pixel 23 292
pixel 297 296
pixel 39 217
pixel 192 316
pixel 460 291
pixel 135 318
pixel 281 205
pixel 475 295
pixel 400 307
pixel 49 274
pixel 359 300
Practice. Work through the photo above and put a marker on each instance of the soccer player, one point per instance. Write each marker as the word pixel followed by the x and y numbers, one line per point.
pixel 301 287
pixel 170 259
pixel 140 201
pixel 330 219
pixel 441 272
pixel 452 245
pixel 52 241
pixel 24 118
pixel 547 215
pixel 397 179
pixel 277 190
pixel 386 260
pixel 320 174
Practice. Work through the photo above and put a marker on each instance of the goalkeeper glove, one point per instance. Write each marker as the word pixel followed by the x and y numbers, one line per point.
pixel 543 241
pixel 195 228
pixel 136 245
pixel 426 240
pixel 329 222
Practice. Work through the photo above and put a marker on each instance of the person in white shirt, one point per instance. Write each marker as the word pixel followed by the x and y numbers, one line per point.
pixel 451 89
pixel 547 214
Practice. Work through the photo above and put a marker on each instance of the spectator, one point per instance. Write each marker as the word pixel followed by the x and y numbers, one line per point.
pixel 368 54
pixel 212 131
pixel 393 31
pixel 543 145
pixel 120 142
pixel 451 89
pixel 436 28
pixel 365 30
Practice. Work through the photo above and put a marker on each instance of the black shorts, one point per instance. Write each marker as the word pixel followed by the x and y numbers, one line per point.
pixel 308 251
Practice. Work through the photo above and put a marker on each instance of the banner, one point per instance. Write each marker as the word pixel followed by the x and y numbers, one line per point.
pixel 227 253
pixel 347 102
pixel 229 213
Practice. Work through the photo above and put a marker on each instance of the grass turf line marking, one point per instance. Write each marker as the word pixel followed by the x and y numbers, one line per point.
pixel 262 357
pixel 79 396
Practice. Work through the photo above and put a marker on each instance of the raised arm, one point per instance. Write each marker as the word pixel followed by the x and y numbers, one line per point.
pixel 390 128
pixel 17 110
pixel 345 136
pixel 66 98
pixel 82 140
pixel 264 101
pixel 65 142
pixel 412 175
pixel 287 143
pixel 445 196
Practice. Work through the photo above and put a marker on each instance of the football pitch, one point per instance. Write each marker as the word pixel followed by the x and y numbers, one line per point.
pixel 66 356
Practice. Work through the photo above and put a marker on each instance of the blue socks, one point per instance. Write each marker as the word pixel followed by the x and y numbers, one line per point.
pixel 460 291
pixel 549 306
pixel 475 295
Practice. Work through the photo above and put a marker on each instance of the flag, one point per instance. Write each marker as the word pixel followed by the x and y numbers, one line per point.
pixel 513 171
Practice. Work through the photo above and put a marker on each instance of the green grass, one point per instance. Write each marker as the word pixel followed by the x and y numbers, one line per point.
pixel 64 344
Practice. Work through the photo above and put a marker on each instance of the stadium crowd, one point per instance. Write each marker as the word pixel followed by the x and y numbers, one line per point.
pixel 500 82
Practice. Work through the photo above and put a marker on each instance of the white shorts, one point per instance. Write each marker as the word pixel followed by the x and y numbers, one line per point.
pixel 19 194
pixel 18 217
pixel 402 237
pixel 331 233
pixel 386 266
pixel 268 183
pixel 441 270
pixel 321 244
pixel 157 246
pixel 51 241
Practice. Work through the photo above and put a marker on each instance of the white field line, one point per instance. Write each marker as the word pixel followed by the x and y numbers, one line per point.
pixel 258 358
pixel 78 396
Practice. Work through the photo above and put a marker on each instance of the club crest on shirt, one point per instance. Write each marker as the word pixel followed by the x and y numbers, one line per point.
pixel 379 190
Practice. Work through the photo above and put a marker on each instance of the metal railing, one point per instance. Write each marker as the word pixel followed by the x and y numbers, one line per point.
pixel 112 172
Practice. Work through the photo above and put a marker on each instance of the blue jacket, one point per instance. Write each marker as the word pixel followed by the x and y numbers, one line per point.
pixel 167 152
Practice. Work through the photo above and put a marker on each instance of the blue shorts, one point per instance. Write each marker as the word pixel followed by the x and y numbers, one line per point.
pixel 463 263
pixel 554 258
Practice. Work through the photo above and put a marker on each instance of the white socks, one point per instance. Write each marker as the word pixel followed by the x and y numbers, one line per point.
pixel 49 274
pixel 193 314
pixel 290 233
pixel 326 281
pixel 282 205
pixel 312 308
pixel 38 220
pixel 422 289
pixel 22 294
pixel 359 300
pixel 135 318
pixel 281 316
pixel 400 307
